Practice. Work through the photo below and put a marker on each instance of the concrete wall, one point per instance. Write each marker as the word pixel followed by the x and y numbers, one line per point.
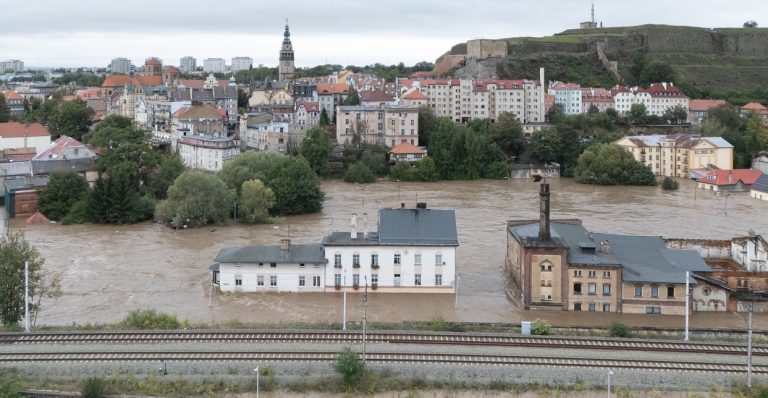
pixel 707 248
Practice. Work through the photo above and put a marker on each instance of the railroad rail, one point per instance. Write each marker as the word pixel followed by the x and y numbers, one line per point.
pixel 466 339
pixel 452 359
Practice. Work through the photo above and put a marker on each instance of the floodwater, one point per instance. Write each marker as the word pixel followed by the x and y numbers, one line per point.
pixel 107 271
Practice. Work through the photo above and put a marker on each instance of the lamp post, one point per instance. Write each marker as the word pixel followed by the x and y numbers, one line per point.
pixel 344 305
pixel 456 303
pixel 257 381
pixel 687 297
pixel 610 373
pixel 399 184
pixel 365 315
pixel 26 296
pixel 749 346
pixel 725 204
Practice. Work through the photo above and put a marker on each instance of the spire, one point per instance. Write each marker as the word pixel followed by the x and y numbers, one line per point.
pixel 287 34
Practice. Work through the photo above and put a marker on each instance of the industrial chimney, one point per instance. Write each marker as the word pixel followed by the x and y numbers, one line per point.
pixel 544 233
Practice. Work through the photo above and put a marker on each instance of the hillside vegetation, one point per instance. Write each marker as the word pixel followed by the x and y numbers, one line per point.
pixel 731 63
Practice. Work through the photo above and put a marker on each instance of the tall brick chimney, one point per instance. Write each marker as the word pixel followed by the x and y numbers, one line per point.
pixel 544 233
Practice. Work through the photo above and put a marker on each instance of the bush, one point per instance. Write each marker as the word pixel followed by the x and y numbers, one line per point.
pixel 618 329
pixel 93 388
pixel 540 327
pixel 669 184
pixel 438 324
pixel 359 173
pixel 9 385
pixel 151 319
pixel 349 366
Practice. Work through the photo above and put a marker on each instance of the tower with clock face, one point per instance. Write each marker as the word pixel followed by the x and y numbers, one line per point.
pixel 286 67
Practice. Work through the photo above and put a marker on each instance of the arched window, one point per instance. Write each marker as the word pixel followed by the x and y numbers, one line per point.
pixel 546 266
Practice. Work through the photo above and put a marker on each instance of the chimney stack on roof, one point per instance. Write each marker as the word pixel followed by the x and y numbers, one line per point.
pixel 544 233
pixel 605 246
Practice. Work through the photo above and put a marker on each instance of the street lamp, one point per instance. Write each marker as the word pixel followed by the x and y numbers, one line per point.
pixel 365 315
pixel 344 305
pixel 610 373
pixel 257 381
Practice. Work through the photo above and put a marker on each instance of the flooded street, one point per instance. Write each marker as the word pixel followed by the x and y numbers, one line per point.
pixel 107 271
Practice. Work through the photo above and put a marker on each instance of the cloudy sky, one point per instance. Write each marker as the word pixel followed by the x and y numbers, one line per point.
pixel 358 32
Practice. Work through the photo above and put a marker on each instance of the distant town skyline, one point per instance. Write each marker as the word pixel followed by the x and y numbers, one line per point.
pixel 45 33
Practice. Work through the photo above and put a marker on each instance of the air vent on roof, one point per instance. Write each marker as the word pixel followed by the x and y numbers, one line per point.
pixel 421 205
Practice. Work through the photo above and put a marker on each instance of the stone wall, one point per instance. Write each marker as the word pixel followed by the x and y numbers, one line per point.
pixel 706 41
pixel 485 48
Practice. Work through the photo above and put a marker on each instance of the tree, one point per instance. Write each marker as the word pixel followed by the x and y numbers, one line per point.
pixel 638 114
pixel 168 170
pixel 609 164
pixel 64 189
pixel 252 166
pixel 676 114
pixel 316 148
pixel 375 158
pixel 196 199
pixel 726 115
pixel 115 199
pixel 14 251
pixel 404 171
pixel 593 110
pixel 750 24
pixel 5 111
pixel 242 98
pixel 349 366
pixel 93 388
pixel 255 201
pixel 507 133
pixel 545 145
pixel 360 173
pixel 296 188
pixel 353 98
pixel 427 170
pixel 323 118
pixel 669 184
pixel 72 118
pixel 427 123
pixel 656 72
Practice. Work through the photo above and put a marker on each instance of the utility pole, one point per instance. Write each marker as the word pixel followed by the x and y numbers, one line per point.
pixel 687 297
pixel 26 296
pixel 365 315
pixel 749 346
pixel 344 305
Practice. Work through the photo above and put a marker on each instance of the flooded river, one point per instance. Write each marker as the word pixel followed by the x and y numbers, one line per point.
pixel 107 271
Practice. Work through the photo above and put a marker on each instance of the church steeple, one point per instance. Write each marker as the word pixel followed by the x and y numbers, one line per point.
pixel 286 67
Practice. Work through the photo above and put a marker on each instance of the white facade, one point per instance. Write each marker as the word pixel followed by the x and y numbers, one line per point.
pixel 14 65
pixel 207 153
pixel 241 63
pixel 214 65
pixel 40 143
pixel 283 277
pixel 187 64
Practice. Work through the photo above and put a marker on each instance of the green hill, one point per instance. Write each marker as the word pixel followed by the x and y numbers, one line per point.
pixel 730 63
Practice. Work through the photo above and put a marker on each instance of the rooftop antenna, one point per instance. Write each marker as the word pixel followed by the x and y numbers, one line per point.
pixel 593 14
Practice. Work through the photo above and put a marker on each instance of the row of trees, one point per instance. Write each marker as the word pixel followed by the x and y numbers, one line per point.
pixel 747 135
pixel 72 117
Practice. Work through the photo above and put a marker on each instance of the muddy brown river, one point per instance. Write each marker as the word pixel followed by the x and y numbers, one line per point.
pixel 107 271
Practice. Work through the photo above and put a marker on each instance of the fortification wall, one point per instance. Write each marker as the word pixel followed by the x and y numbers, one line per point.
pixel 486 48
pixel 707 41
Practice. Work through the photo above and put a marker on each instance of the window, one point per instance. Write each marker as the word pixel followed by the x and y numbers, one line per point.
pixel 638 291
pixel 273 281
pixel 417 279
pixel 438 279
pixel 337 260
pixel 577 306
pixel 606 289
pixel 316 281
pixel 592 274
pixel 439 259
pixel 397 279
pixel 417 259
pixel 355 260
pixel 238 280
pixel 397 259
pixel 742 283
pixel 273 265
pixel 302 283
pixel 592 288
pixel 375 278
pixel 653 310
pixel 577 288
pixel 301 265
pixel 260 280
pixel 577 273
pixel 592 307
pixel 337 279
pixel 261 264
pixel 654 291
pixel 670 291
pixel 606 274
pixel 374 259
pixel 606 307
pixel 356 279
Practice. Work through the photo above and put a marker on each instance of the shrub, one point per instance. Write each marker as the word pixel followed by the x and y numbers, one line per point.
pixel 349 366
pixel 151 319
pixel 93 388
pixel 540 327
pixel 359 173
pixel 9 385
pixel 618 329
pixel 669 184
pixel 438 324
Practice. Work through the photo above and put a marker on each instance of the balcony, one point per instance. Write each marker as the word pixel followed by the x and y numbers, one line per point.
pixel 337 265
pixel 375 266
pixel 356 265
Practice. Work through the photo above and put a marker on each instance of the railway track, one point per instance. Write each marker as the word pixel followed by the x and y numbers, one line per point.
pixel 327 357
pixel 465 339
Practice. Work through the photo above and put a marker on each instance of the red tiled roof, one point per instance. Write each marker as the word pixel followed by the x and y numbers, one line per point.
pixel 37 219
pixel 665 90
pixel 703 105
pixel 375 96
pixel 147 81
pixel 311 106
pixel 87 93
pixel 58 146
pixel 69 98
pixel 11 95
pixel 16 129
pixel 405 148
pixel 730 177
pixel 757 107
pixel 115 80
pixel 188 83
pixel 328 88
pixel 122 80
pixel 170 69
pixel 419 75
pixel 415 95
pixel 564 86
pixel 152 61
pixel 20 151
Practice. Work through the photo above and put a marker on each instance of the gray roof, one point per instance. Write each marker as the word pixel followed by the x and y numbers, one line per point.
pixel 313 254
pixel 204 94
pixel 761 184
pixel 642 258
pixel 47 166
pixel 408 227
pixel 25 183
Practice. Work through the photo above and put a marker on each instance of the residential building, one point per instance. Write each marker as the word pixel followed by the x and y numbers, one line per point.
pixel 13 65
pixel 561 265
pixel 567 95
pixel 755 107
pixel 760 162
pixel 21 195
pixel 307 114
pixel 677 154
pixel 331 95
pixel 698 109
pixel 388 124
pixel 153 67
pixel 271 136
pixel 283 268
pixel 759 189
pixel 15 103
pixel 305 89
pixel 66 148
pixel 739 180
pixel 414 98
pixel 199 120
pixel 665 96
pixel 16 135
pixel 598 97
pixel 214 93
pixel 241 63
pixel 412 250
pixel 171 75
pixel 407 152
pixel 208 153
pixel 286 67
pixel 188 64
pixel 214 65
pixel 375 98
pixel 120 65
pixel 625 97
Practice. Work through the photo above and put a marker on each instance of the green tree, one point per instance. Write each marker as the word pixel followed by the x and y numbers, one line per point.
pixel 593 110
pixel 64 189
pixel 168 170
pixel 296 188
pixel 545 145
pixel 427 170
pixel 618 329
pixel 556 114
pixel 115 199
pixel 375 158
pixel 349 366
pixel 725 115
pixel 676 114
pixel 255 201
pixel 196 199
pixel 316 148
pixel 360 173
pixel 750 24
pixel 428 122
pixel 353 98
pixel 5 111
pixel 72 118
pixel 404 171
pixel 323 118
pixel 656 72
pixel 507 133
pixel 638 114
pixel 14 251
pixel 9 385
pixel 609 164
pixel 242 98
pixel 669 184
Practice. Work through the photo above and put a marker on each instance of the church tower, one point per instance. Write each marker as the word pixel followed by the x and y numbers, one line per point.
pixel 286 67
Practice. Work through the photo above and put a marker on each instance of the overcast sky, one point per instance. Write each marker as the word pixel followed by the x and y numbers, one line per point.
pixel 358 32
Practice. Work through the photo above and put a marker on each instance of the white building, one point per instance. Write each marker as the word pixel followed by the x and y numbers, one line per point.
pixel 214 65
pixel 187 64
pixel 120 65
pixel 387 124
pixel 413 250
pixel 207 152
pixel 14 135
pixel 13 65
pixel 283 268
pixel 241 63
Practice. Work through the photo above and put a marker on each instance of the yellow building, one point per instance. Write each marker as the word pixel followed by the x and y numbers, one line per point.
pixel 676 155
